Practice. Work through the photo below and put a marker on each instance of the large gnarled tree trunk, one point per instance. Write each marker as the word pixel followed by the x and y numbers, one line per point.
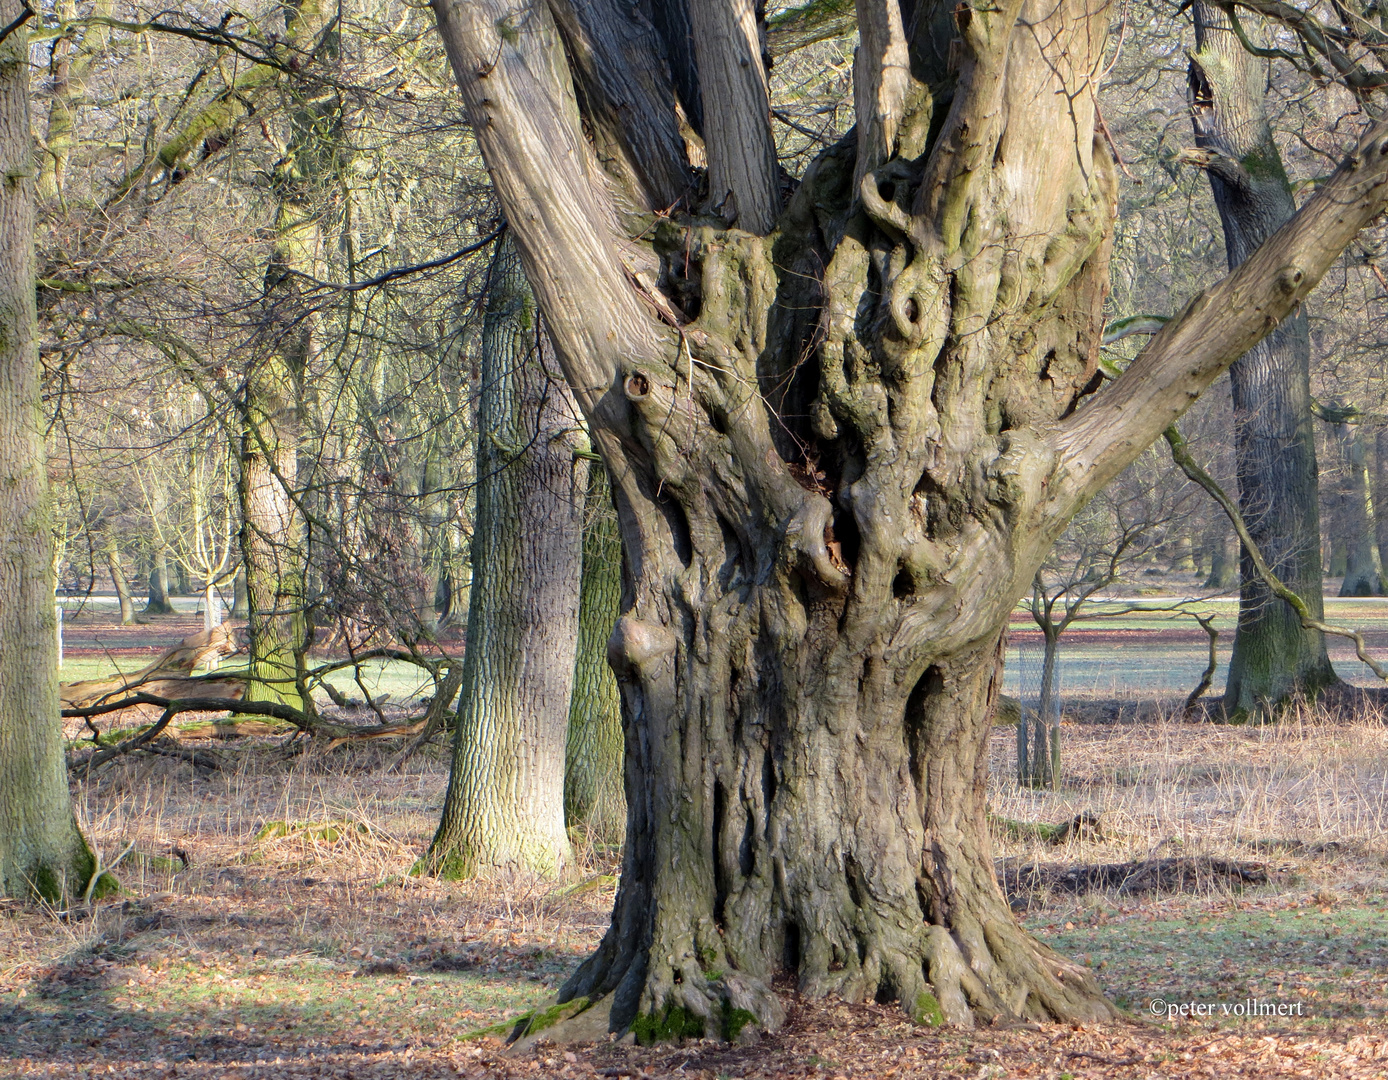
pixel 1274 440
pixel 840 453
pixel 42 853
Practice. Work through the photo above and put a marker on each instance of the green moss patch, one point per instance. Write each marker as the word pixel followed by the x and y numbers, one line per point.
pixel 325 832
pixel 675 1023
pixel 926 1011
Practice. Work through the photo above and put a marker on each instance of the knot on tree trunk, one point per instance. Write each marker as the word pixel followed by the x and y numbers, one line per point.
pixel 637 646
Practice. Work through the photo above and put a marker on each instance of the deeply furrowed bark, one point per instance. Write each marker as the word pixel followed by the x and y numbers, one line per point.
pixel 840 453
pixel 505 805
pixel 42 853
pixel 1274 655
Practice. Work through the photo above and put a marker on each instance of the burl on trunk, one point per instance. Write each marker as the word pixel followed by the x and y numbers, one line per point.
pixel 840 450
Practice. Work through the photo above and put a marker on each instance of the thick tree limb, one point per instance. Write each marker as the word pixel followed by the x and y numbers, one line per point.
pixel 744 184
pixel 1216 328
pixel 617 71
pixel 881 80
pixel 799 27
pixel 510 65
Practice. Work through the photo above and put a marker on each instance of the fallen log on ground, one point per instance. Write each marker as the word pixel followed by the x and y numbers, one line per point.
pixel 1023 881
pixel 167 677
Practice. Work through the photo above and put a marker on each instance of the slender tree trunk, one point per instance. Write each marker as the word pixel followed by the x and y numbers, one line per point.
pixel 121 583
pixel 158 602
pixel 505 799
pixel 1224 559
pixel 1046 746
pixel 1273 655
pixel 240 599
pixel 1380 492
pixel 1356 523
pixel 593 795
pixel 42 852
pixel 211 607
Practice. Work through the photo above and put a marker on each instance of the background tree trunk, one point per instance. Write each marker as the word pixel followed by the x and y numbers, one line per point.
pixel 593 795
pixel 158 602
pixel 1224 559
pixel 1273 656
pixel 1045 754
pixel 1356 523
pixel 505 799
pixel 240 602
pixel 1380 492
pixel 121 583
pixel 42 852
pixel 272 526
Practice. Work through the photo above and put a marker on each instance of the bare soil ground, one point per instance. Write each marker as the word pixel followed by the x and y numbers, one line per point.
pixel 270 925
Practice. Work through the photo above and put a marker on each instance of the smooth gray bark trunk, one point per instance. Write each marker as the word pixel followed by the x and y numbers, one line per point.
pixel 42 852
pixel 505 801
pixel 1273 655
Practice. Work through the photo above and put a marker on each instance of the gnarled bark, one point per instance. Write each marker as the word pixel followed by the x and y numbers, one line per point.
pixel 840 453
